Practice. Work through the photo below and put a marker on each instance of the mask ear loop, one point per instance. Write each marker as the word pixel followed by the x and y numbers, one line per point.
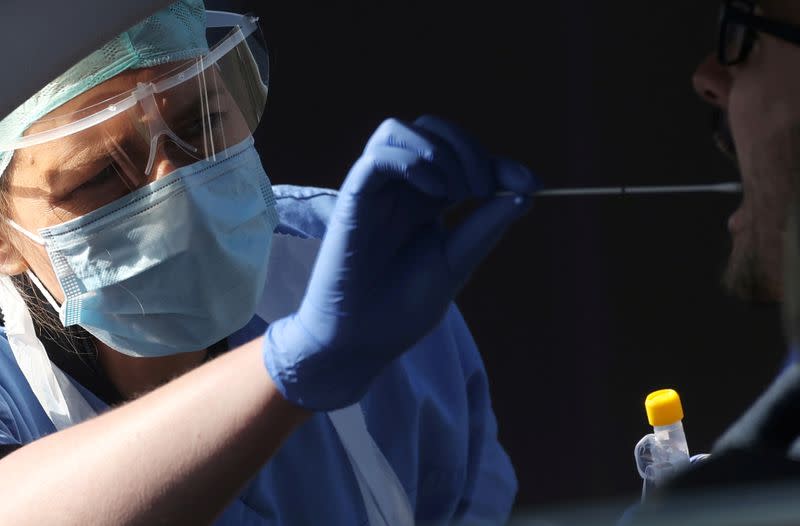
pixel 33 237
pixel 46 293
pixel 157 127
pixel 40 241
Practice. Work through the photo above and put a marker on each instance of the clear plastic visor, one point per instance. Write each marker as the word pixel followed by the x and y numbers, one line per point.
pixel 143 124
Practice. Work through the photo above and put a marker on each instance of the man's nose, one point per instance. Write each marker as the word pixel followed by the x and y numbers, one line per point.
pixel 712 81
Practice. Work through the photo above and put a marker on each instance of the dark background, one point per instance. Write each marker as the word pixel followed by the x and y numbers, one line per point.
pixel 589 303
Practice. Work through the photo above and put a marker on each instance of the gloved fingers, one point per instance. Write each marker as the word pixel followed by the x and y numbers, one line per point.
pixel 404 216
pixel 475 162
pixel 699 458
pixel 397 134
pixel 409 211
pixel 381 165
pixel 513 177
pixel 471 241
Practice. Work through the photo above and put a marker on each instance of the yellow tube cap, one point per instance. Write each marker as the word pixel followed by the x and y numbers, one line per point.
pixel 663 407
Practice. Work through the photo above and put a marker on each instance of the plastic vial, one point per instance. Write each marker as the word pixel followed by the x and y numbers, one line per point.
pixel 664 452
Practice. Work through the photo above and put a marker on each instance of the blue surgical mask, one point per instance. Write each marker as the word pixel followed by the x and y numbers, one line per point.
pixel 174 266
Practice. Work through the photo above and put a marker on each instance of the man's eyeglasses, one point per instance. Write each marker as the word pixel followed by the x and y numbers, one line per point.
pixel 738 28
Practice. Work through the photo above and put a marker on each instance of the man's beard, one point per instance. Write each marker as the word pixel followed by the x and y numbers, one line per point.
pixel 745 277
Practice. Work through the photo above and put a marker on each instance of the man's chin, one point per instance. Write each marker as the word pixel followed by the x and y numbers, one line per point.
pixel 745 280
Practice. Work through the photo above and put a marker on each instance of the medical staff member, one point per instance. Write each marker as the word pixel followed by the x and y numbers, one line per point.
pixel 185 343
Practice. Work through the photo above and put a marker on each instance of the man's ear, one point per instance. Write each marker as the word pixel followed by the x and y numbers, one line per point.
pixel 11 261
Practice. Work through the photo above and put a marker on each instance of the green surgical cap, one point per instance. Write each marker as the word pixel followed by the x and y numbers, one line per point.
pixel 175 33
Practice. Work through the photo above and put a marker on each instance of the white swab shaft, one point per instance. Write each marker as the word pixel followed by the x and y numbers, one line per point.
pixel 730 188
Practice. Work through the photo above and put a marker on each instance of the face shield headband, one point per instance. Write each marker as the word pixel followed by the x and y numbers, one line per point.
pixel 172 115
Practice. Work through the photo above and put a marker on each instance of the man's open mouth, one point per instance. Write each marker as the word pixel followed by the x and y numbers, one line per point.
pixel 723 136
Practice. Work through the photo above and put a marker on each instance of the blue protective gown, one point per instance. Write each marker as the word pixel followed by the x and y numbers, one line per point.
pixel 429 413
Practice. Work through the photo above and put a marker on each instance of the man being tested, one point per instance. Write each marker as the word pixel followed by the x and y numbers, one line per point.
pixel 753 81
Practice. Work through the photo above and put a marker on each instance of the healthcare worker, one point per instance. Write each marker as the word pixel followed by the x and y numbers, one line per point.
pixel 185 343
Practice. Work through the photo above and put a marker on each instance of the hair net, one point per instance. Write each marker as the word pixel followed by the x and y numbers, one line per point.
pixel 175 33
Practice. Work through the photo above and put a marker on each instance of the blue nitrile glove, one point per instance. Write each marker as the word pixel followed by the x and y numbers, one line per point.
pixel 387 268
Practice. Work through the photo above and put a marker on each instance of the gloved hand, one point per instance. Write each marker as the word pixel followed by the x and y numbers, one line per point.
pixel 388 268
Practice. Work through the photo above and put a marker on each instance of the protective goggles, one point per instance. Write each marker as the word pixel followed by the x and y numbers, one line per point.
pixel 155 120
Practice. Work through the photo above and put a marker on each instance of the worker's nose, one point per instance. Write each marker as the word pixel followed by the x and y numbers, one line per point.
pixel 163 163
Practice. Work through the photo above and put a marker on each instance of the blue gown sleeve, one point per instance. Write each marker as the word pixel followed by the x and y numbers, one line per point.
pixel 9 434
pixel 491 484
pixel 22 419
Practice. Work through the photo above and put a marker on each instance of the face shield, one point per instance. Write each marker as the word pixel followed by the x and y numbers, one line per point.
pixel 143 124
pixel 172 214
pixel 179 94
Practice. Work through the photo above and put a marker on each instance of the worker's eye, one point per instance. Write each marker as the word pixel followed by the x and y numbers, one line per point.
pixel 209 123
pixel 108 177
pixel 105 186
